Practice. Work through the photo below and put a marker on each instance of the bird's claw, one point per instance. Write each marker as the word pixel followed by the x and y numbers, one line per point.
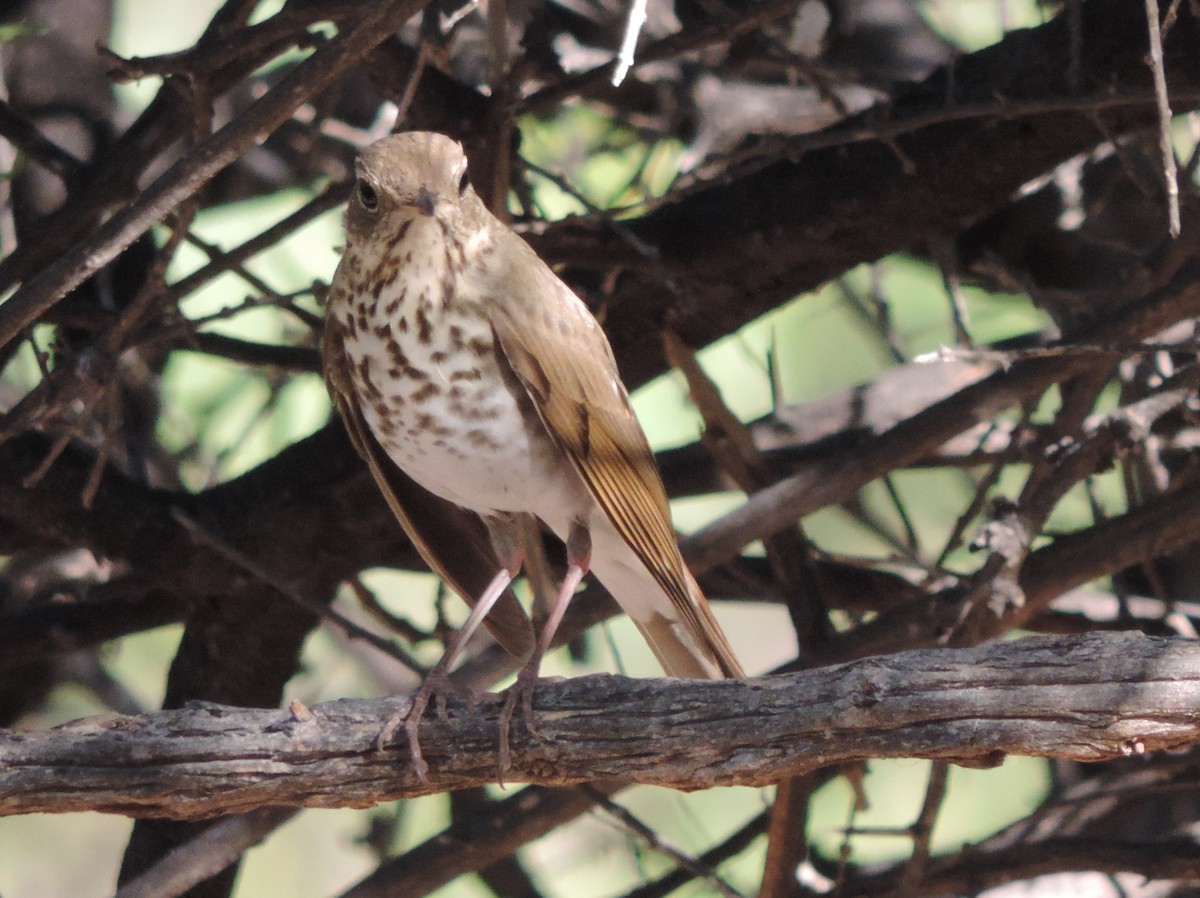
pixel 520 691
pixel 435 686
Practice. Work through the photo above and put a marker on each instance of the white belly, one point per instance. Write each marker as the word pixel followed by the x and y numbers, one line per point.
pixel 443 411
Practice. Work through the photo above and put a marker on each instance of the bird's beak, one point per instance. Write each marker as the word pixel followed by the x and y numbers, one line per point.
pixel 426 202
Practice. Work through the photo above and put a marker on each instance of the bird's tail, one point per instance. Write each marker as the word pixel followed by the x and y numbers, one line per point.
pixel 683 647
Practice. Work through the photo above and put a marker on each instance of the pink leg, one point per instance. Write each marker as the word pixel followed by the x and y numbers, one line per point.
pixel 437 680
pixel 579 551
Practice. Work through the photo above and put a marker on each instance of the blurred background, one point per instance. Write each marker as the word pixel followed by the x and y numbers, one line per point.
pixel 215 378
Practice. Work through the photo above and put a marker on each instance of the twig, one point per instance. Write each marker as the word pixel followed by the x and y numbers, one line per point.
pixel 922 828
pixel 652 839
pixel 738 841
pixel 349 627
pixel 205 855
pixel 299 359
pixel 887 130
pixel 633 27
pixel 829 482
pixel 1170 177
pixel 716 32
pixel 26 137
pixel 193 171
pixel 787 836
pixel 472 845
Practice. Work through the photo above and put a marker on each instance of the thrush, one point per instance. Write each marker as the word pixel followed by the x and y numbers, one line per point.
pixel 479 388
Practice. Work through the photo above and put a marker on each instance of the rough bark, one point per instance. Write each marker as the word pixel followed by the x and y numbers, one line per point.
pixel 1085 698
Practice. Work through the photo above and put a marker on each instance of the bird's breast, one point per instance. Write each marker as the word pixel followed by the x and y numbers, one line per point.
pixel 434 392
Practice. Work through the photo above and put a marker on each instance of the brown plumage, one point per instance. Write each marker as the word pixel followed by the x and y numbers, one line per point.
pixel 479 388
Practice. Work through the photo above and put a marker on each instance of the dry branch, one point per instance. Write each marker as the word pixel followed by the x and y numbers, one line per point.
pixel 747 233
pixel 942 155
pixel 1086 698
pixel 187 176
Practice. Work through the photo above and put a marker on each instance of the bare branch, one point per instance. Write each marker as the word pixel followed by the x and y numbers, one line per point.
pixel 188 175
pixel 205 855
pixel 1085 698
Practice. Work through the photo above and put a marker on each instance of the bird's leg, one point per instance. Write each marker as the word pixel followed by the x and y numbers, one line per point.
pixel 437 680
pixel 579 552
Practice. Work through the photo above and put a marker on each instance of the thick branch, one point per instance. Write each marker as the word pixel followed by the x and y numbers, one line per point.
pixel 971 872
pixel 279 514
pixel 870 186
pixel 837 478
pixel 1085 698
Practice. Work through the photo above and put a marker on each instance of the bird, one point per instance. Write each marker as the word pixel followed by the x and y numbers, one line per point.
pixel 481 390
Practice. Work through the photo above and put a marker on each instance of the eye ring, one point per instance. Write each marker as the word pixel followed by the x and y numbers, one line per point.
pixel 464 182
pixel 367 197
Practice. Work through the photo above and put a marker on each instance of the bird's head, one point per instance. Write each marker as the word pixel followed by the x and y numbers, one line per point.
pixel 407 178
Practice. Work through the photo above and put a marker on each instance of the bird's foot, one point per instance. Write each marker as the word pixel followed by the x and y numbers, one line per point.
pixel 435 687
pixel 519 692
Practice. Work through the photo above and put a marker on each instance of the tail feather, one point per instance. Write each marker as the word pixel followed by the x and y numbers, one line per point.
pixel 680 649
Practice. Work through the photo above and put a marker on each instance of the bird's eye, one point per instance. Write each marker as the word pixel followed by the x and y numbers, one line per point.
pixel 367 197
pixel 463 183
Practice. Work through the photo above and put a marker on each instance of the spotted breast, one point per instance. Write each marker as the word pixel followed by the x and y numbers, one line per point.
pixel 490 384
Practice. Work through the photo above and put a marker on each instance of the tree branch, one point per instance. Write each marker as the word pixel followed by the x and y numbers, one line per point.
pixel 188 175
pixel 1085 698
pixel 746 243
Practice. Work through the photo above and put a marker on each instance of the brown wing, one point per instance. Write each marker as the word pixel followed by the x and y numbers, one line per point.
pixel 561 356
pixel 453 541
